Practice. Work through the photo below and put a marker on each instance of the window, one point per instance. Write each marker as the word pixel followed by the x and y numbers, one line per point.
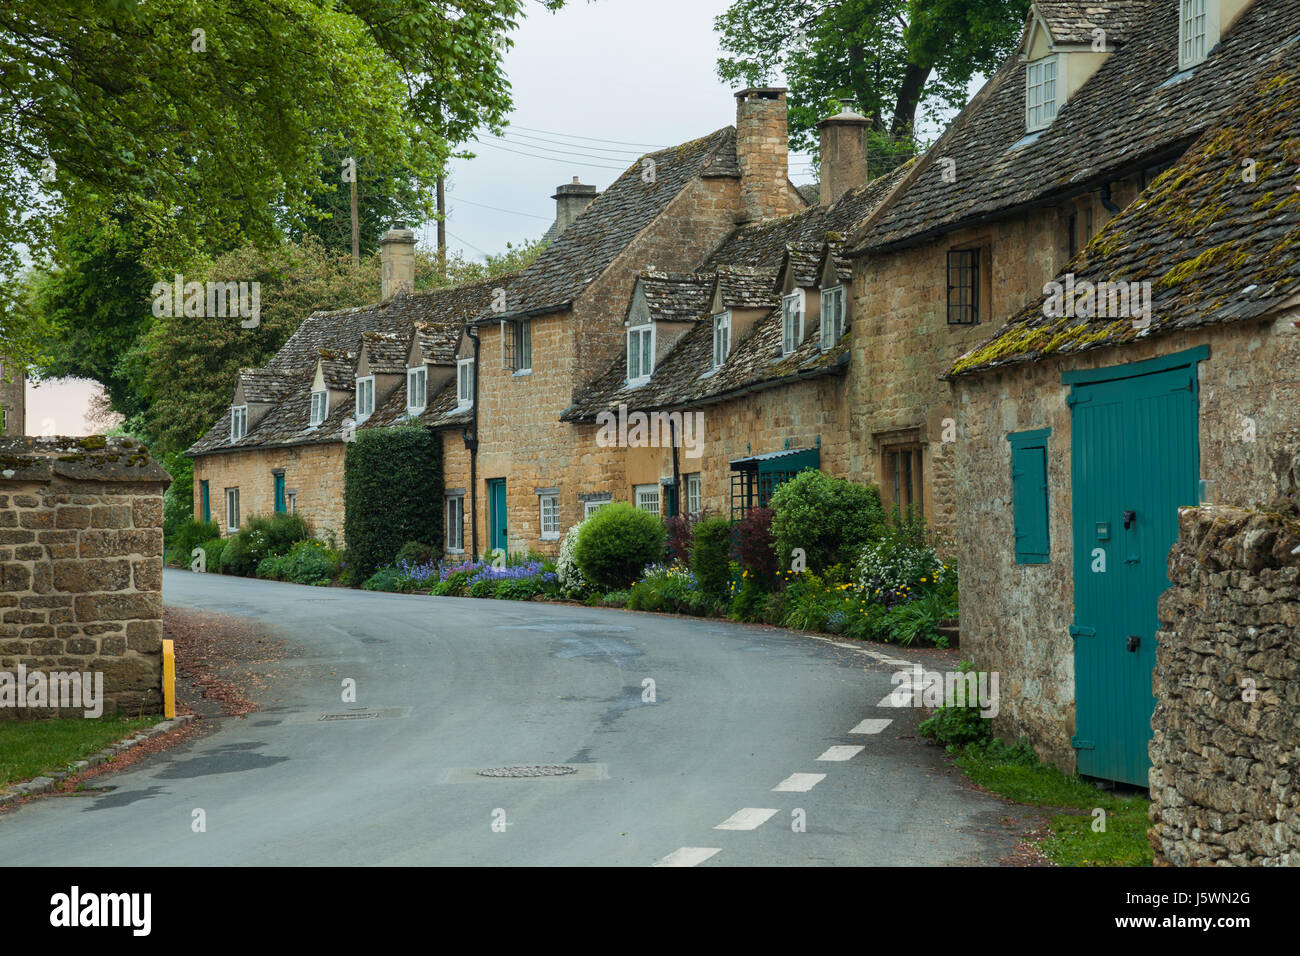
pixel 832 316
pixel 365 397
pixel 550 514
pixel 293 502
pixel 589 508
pixel 455 523
pixel 238 422
pixel 963 286
pixel 640 353
pixel 524 346
pixel 647 498
pixel 465 382
pixel 693 494
pixel 903 478
pixel 1193 32
pixel 232 510
pixel 721 338
pixel 1040 93
pixel 791 322
pixel 320 407
pixel 4 419
pixel 416 389
pixel 1029 502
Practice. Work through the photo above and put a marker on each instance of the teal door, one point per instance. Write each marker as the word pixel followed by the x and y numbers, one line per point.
pixel 1134 463
pixel 205 501
pixel 497 515
pixel 279 493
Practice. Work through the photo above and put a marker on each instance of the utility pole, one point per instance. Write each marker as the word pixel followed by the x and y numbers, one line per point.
pixel 356 227
pixel 442 226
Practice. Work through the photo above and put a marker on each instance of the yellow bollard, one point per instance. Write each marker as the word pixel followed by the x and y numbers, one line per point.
pixel 169 679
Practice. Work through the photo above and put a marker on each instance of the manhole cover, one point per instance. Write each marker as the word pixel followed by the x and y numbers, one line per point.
pixel 355 716
pixel 527 771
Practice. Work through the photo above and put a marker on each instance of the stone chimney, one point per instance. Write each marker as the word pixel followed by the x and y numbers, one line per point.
pixel 570 200
pixel 762 151
pixel 843 153
pixel 397 261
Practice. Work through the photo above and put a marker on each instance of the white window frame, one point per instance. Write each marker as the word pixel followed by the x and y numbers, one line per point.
pixel 548 507
pixel 832 320
pixel 416 389
pixel 232 510
pixel 1194 32
pixel 1040 108
pixel 642 494
pixel 721 338
pixel 238 422
pixel 523 346
pixel 791 321
pixel 464 383
pixel 589 508
pixel 454 512
pixel 318 415
pixel 291 501
pixel 365 398
pixel 694 498
pixel 640 353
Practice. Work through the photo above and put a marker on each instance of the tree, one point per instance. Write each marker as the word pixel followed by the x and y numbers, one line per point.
pixel 888 56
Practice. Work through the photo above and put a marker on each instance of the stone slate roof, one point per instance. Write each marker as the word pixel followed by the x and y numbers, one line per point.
pixel 441 412
pixel 339 370
pixel 1215 248
pixel 592 241
pixel 747 287
pixel 264 386
pixel 676 296
pixel 1132 112
pixel 1073 21
pixel 387 351
pixel 438 341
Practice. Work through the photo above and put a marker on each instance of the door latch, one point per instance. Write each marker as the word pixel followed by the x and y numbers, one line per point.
pixel 1129 518
pixel 1133 642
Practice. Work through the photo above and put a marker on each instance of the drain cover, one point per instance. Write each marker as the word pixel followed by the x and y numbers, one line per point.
pixel 350 716
pixel 552 771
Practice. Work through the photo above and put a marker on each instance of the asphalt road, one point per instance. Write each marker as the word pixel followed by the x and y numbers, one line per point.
pixel 462 685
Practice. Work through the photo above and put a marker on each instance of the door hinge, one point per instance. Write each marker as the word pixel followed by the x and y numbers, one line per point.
pixel 1077 399
pixel 1080 744
pixel 1076 631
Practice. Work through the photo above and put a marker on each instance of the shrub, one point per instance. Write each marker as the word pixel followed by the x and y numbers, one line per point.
pixel 808 603
pixel 755 547
pixel 671 589
pixel 392 480
pixel 748 603
pixel 519 589
pixel 711 558
pixel 831 519
pixel 681 536
pixel 902 558
pixel 310 562
pixel 262 536
pixel 957 726
pixel 616 543
pixel 271 567
pixel 566 568
pixel 385 579
pixel 178 499
pixel 190 535
pixel 483 588
pixel 213 551
pixel 414 553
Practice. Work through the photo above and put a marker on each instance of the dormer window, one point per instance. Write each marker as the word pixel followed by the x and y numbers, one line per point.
pixel 238 422
pixel 721 338
pixel 791 321
pixel 832 316
pixel 465 383
pixel 640 353
pixel 416 387
pixel 320 406
pixel 365 398
pixel 1193 32
pixel 1040 93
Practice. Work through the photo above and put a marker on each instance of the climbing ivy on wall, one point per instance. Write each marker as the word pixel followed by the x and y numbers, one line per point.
pixel 392 494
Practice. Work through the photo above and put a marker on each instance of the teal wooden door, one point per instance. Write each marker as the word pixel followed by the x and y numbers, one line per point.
pixel 1134 463
pixel 497 515
pixel 280 505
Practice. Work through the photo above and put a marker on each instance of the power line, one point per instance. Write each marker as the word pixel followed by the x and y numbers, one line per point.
pixel 553 159
pixel 560 142
pixel 468 243
pixel 594 139
pixel 544 149
pixel 513 212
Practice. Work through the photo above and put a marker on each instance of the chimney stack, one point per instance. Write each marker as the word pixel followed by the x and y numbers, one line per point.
pixel 762 150
pixel 570 200
pixel 397 261
pixel 843 153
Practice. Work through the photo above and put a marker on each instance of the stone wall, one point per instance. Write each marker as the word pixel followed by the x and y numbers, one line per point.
pixel 315 472
pixel 13 399
pixel 1227 684
pixel 81 548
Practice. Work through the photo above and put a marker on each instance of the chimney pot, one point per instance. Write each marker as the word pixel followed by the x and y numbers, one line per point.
pixel 397 261
pixel 762 152
pixel 843 153
pixel 570 200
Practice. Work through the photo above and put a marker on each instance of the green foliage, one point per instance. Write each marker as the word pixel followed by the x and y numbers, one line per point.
pixel 617 543
pixel 831 519
pixel 391 476
pixel 413 553
pixel 671 589
pixel 918 620
pixel 519 589
pixel 808 603
pixel 571 581
pixel 749 601
pixel 310 562
pixel 385 579
pixel 262 536
pixel 903 557
pixel 214 554
pixel 711 558
pixel 955 726
pixel 191 535
pixel 483 588
pixel 178 499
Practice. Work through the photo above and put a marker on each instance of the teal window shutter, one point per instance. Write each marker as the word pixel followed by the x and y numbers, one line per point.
pixel 1029 496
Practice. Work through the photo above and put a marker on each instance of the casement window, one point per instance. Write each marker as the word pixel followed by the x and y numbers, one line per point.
pixel 416 389
pixel 903 475
pixel 1029 495
pixel 232 510
pixel 320 407
pixel 647 498
pixel 791 322
pixel 1040 93
pixel 640 353
pixel 365 398
pixel 549 506
pixel 1193 32
pixel 465 383
pixel 523 334
pixel 238 422
pixel 721 339
pixel 693 500
pixel 963 286
pixel 832 316
pixel 455 527
pixel 293 502
pixel 589 508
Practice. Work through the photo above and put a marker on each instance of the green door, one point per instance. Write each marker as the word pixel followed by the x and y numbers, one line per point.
pixel 497 515
pixel 279 493
pixel 1135 461
pixel 205 501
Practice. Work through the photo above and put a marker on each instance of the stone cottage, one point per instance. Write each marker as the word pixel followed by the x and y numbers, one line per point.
pixel 13 400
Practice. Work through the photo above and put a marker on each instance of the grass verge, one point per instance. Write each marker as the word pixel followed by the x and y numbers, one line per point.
pixel 32 748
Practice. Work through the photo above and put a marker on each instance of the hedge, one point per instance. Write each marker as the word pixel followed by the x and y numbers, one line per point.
pixel 392 494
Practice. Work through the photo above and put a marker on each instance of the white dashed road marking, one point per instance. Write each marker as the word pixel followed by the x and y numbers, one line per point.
pixel 841 752
pixel 750 818
pixel 799 783
pixel 872 725
pixel 689 856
